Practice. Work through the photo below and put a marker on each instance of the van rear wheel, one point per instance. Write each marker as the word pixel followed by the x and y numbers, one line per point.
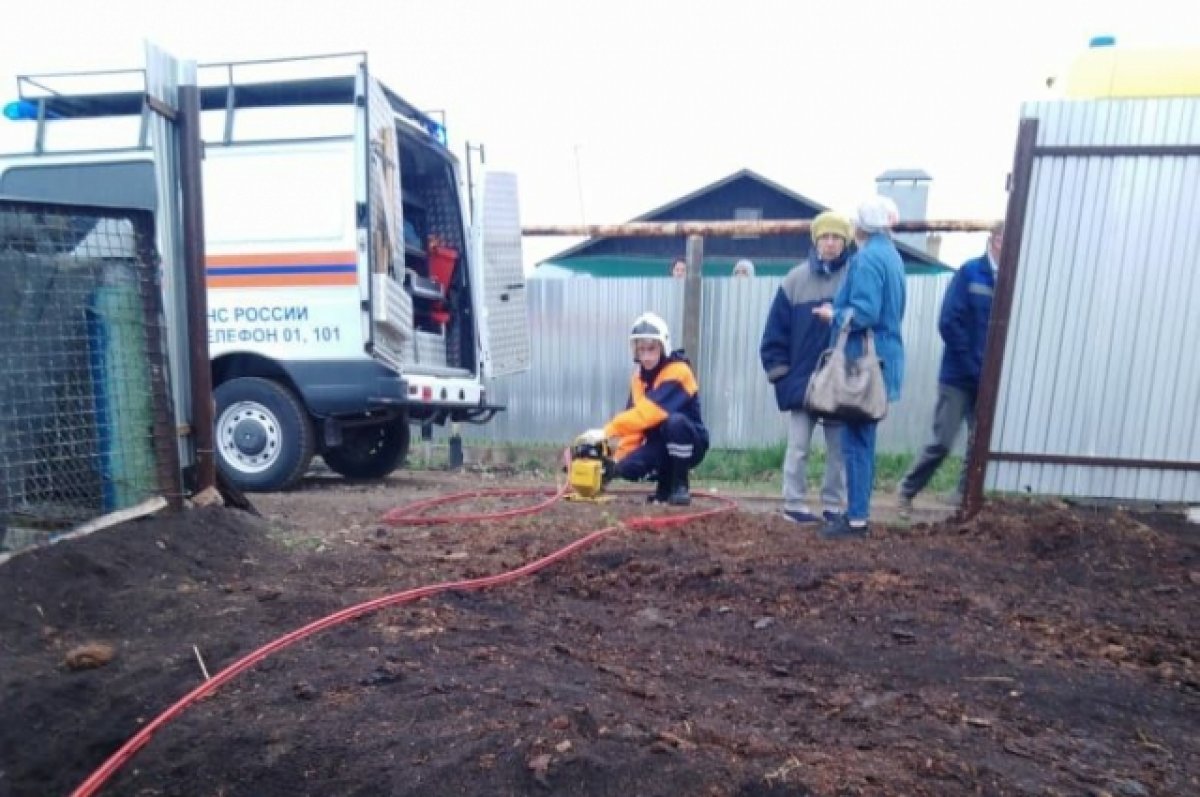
pixel 370 452
pixel 264 437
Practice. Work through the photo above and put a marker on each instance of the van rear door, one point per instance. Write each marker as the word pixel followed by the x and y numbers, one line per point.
pixel 391 307
pixel 497 267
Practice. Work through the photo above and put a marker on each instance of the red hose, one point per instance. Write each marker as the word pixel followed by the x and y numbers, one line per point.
pixel 399 516
pixel 410 515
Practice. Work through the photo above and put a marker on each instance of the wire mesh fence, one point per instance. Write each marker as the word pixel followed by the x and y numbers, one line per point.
pixel 86 425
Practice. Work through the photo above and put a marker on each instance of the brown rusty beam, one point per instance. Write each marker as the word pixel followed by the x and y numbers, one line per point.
pixel 671 229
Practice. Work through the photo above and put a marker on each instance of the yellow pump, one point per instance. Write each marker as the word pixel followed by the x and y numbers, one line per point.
pixel 590 470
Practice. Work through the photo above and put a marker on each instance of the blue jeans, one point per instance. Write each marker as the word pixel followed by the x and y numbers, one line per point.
pixel 858 448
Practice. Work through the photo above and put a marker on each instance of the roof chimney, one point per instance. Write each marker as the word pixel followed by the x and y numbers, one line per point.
pixel 909 189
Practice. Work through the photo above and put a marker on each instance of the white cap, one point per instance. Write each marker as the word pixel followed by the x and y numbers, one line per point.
pixel 743 267
pixel 876 214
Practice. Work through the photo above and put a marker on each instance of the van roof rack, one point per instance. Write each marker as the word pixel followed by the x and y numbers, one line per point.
pixel 265 83
pixel 311 91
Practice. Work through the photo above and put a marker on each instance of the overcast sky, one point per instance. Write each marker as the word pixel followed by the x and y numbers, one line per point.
pixel 607 109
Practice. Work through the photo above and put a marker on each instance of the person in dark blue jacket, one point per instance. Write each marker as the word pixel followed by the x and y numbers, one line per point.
pixel 966 311
pixel 872 298
pixel 792 342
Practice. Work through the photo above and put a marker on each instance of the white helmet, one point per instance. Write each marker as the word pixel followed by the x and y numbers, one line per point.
pixel 649 326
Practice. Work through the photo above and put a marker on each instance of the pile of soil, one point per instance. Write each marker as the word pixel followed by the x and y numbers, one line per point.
pixel 1035 650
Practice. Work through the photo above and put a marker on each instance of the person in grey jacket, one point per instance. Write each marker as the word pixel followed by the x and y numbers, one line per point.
pixel 792 342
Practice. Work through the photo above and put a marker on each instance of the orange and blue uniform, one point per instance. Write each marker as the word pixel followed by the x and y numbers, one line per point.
pixel 661 431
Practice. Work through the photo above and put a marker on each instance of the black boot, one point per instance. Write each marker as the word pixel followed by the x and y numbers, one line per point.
pixel 840 529
pixel 662 488
pixel 680 494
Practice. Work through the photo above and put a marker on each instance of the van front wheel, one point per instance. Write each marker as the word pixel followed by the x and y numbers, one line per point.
pixel 264 437
pixel 370 452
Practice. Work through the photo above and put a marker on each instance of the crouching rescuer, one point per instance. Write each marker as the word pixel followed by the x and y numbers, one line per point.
pixel 660 433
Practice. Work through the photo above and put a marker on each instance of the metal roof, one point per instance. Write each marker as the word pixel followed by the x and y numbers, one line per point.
pixel 908 252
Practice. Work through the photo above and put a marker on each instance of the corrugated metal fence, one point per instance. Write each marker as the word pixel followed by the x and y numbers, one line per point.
pixel 1100 384
pixel 581 362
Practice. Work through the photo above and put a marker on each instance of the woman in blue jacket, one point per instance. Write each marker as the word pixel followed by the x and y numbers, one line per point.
pixel 871 298
pixel 792 342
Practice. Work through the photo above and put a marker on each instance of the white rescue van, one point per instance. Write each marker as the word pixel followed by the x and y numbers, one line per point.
pixel 349 294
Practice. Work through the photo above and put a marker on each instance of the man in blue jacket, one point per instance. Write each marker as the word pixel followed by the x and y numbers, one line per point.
pixel 792 342
pixel 966 311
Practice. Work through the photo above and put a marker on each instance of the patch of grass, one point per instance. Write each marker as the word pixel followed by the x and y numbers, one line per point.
pixel 758 468
pixel 890 469
pixel 742 465
pixel 764 467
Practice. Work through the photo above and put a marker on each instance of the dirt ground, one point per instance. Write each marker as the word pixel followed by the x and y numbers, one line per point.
pixel 1037 650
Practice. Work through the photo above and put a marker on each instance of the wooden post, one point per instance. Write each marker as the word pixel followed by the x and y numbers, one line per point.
pixel 691 300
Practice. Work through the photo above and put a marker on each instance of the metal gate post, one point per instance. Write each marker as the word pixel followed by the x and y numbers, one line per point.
pixel 997 338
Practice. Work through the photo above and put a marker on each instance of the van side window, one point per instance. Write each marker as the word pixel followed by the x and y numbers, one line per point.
pixel 121 184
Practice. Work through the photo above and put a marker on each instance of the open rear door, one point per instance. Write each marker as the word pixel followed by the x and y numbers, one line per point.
pixel 501 305
pixel 391 307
